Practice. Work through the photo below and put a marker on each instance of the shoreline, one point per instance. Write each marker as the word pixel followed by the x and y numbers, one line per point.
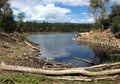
pixel 102 44
pixel 101 40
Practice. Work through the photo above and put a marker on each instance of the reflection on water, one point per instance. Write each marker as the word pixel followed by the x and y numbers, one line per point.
pixel 61 48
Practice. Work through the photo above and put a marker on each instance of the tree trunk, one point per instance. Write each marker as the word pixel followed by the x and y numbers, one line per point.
pixel 71 71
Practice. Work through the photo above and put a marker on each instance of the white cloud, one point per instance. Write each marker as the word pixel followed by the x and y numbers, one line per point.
pixel 84 13
pixel 46 10
pixel 68 2
pixel 75 2
pixel 35 11
pixel 87 20
pixel 115 1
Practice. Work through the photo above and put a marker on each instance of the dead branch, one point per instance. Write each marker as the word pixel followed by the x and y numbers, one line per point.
pixel 101 66
pixel 72 79
pixel 71 71
pixel 84 60
pixel 31 45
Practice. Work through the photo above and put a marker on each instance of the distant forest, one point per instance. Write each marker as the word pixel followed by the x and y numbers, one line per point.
pixel 55 27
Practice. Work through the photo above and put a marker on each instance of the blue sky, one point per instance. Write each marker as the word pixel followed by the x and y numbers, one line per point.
pixel 75 11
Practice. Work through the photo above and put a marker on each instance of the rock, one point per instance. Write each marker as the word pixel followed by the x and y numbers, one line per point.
pixel 84 34
pixel 14 39
pixel 117 35
pixel 91 31
pixel 118 46
pixel 5 45
pixel 24 54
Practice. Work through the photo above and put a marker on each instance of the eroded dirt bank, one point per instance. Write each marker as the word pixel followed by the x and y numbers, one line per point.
pixel 13 50
pixel 105 38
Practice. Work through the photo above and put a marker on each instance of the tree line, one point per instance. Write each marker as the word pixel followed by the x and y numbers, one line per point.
pixel 55 27
pixel 98 8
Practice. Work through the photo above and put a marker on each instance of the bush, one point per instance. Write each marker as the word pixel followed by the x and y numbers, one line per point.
pixel 23 37
pixel 106 23
pixel 96 38
pixel 115 25
pixel 8 24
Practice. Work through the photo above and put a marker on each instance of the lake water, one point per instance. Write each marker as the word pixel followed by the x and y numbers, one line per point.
pixel 61 48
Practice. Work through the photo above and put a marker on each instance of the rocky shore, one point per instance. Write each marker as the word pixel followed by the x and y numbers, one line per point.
pixel 105 38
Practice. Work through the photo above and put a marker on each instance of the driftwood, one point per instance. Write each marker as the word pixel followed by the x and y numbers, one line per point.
pixel 31 45
pixel 81 71
pixel 54 52
pixel 87 61
pixel 103 66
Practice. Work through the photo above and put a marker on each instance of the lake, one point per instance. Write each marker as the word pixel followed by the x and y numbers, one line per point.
pixel 61 48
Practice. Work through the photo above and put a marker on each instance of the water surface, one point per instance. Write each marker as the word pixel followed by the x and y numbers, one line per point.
pixel 61 48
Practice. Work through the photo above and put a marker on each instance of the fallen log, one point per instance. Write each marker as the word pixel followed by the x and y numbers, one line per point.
pixel 31 45
pixel 80 71
pixel 106 65
pixel 87 61
pixel 54 52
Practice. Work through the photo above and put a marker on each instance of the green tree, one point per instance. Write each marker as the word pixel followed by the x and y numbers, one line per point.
pixel 115 10
pixel 21 17
pixel 94 9
pixel 7 22
pixel 115 18
pixel 98 8
pixel 2 3
pixel 20 22
pixel 115 25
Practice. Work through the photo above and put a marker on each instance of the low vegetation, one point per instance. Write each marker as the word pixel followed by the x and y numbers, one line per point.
pixel 24 79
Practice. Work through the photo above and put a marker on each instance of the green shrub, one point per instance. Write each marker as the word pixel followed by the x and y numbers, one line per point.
pixel 115 25
pixel 23 37
pixel 96 38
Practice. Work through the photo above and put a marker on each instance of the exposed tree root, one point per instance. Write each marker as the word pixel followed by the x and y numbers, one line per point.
pixel 72 71
pixel 84 60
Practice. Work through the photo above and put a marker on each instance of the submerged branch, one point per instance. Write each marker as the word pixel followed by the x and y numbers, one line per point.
pixel 87 61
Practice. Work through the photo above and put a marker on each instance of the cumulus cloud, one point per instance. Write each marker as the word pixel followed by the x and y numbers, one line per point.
pixel 115 1
pixel 84 13
pixel 87 20
pixel 46 10
pixel 38 11
pixel 68 2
